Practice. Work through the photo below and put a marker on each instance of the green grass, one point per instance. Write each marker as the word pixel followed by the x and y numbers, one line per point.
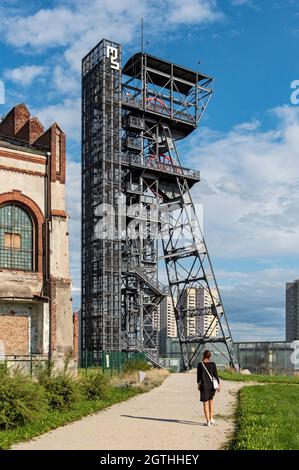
pixel 54 419
pixel 267 418
pixel 235 376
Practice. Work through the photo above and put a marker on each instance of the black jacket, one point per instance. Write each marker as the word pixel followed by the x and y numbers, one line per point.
pixel 202 376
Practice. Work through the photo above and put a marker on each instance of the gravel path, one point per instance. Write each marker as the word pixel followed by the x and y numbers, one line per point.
pixel 169 417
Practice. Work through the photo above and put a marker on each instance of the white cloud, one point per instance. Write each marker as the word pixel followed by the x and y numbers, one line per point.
pixel 255 302
pixel 25 74
pixel 250 187
pixel 66 114
pixel 248 126
pixel 66 81
pixel 193 11
pixel 246 331
pixel 45 28
pixel 79 25
pixel 240 2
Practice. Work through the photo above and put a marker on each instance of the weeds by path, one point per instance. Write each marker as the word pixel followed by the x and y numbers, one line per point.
pixel 267 418
pixel 237 377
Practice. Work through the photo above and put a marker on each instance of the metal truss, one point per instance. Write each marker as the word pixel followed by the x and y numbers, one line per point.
pixel 189 267
pixel 130 162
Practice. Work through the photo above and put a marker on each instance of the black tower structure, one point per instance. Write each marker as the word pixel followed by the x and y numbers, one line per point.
pixel 137 207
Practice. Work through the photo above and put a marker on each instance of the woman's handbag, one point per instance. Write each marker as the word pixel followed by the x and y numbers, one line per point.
pixel 213 380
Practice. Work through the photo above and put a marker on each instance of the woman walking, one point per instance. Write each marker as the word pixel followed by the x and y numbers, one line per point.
pixel 208 383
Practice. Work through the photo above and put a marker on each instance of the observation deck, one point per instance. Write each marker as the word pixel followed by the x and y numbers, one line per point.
pixel 158 87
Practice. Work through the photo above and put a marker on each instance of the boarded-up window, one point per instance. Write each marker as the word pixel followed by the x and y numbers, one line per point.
pixel 58 144
pixel 12 241
pixel 14 334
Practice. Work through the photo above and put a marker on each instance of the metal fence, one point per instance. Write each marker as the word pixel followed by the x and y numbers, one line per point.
pixel 172 350
pixel 267 357
pixel 112 362
pixel 258 357
pixel 25 363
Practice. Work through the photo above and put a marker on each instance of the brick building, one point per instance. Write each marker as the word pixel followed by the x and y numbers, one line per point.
pixel 35 286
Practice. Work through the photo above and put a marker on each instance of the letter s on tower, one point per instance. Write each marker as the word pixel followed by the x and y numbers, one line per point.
pixel 112 53
pixel 295 94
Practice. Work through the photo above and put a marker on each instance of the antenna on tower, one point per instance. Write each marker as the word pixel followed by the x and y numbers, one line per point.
pixel 142 36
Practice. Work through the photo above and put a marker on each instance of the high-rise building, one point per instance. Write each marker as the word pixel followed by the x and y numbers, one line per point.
pixel 208 322
pixel 190 301
pixel 292 311
pixel 157 318
pixel 198 298
pixel 167 317
pixel 168 326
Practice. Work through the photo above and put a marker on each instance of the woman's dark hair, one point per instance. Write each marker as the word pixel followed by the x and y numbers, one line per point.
pixel 207 354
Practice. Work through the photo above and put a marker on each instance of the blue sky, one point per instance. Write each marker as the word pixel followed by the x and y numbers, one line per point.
pixel 247 146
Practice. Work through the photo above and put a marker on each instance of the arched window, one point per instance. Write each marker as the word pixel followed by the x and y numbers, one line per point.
pixel 16 238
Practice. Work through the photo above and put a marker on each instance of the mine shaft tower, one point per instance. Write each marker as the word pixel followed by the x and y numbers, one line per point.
pixel 137 206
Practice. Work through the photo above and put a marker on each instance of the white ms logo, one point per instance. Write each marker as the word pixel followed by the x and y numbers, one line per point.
pixel 112 53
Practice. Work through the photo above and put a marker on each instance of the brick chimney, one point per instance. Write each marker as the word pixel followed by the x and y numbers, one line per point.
pixel 14 120
pixel 18 124
pixel 31 130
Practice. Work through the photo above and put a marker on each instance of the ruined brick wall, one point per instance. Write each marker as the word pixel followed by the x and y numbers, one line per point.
pixel 14 333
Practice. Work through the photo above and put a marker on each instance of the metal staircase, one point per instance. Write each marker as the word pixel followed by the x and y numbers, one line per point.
pixel 148 283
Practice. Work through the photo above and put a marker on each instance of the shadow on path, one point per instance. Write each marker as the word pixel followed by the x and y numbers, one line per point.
pixel 179 421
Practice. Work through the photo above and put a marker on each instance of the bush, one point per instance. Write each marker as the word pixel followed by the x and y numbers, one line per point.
pixel 21 401
pixel 43 371
pixel 62 391
pixel 136 364
pixel 94 385
pixel 3 368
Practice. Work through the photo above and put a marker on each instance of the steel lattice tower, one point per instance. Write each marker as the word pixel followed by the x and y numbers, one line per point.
pixel 137 205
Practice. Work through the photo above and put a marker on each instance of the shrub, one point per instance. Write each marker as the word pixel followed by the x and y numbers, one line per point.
pixel 43 371
pixel 132 365
pixel 21 401
pixel 95 385
pixel 62 391
pixel 3 368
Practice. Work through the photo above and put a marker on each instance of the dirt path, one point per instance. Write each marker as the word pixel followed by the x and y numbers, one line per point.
pixel 168 417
